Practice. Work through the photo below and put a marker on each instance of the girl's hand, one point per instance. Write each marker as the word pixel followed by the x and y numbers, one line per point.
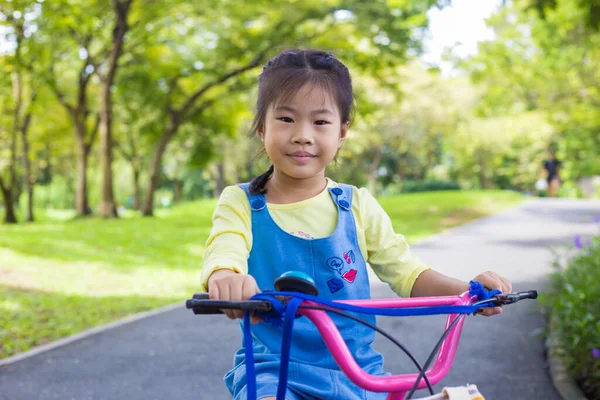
pixel 225 284
pixel 492 281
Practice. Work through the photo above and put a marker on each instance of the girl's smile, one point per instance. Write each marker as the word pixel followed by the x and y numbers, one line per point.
pixel 302 157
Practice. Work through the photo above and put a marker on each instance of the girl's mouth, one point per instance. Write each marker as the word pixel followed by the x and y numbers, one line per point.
pixel 302 157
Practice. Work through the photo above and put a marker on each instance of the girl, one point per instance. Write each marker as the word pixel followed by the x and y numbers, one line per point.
pixel 294 218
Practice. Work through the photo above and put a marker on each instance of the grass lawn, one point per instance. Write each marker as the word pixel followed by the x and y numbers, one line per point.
pixel 59 276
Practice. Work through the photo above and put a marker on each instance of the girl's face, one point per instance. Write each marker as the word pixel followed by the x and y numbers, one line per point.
pixel 302 136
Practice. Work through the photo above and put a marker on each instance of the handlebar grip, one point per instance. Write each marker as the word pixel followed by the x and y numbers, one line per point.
pixel 510 298
pixel 205 307
pixel 202 309
pixel 530 294
pixel 200 303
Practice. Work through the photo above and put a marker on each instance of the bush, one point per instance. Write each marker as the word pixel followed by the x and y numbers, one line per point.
pixel 428 186
pixel 574 299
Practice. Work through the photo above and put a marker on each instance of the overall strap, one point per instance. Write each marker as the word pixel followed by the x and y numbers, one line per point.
pixel 342 196
pixel 257 201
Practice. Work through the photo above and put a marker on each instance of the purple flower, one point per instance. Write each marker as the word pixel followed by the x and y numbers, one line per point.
pixel 595 353
pixel 577 242
pixel 597 220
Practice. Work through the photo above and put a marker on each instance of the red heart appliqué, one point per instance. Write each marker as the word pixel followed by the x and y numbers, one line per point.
pixel 350 275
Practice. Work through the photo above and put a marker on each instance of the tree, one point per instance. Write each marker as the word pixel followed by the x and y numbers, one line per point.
pixel 590 10
pixel 240 39
pixel 135 127
pixel 23 97
pixel 499 151
pixel 549 64
pixel 85 134
pixel 187 62
pixel 8 151
pixel 75 47
pixel 100 31
pixel 402 127
pixel 107 73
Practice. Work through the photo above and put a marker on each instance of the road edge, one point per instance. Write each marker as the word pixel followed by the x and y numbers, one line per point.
pixel 87 333
pixel 565 385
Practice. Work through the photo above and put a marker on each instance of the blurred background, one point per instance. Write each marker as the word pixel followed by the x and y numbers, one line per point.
pixel 121 122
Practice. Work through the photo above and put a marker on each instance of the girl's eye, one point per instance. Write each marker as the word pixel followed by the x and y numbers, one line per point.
pixel 321 122
pixel 286 119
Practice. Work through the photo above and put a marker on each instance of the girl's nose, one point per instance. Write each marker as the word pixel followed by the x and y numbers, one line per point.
pixel 303 136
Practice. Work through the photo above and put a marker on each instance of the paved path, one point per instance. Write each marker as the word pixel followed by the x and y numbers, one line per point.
pixel 177 356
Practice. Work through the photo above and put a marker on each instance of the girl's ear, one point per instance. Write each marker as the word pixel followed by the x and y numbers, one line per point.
pixel 261 132
pixel 343 133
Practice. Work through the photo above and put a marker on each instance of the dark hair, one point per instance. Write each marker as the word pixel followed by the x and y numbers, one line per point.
pixel 285 74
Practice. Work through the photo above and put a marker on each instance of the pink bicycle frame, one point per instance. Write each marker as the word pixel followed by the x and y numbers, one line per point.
pixel 396 385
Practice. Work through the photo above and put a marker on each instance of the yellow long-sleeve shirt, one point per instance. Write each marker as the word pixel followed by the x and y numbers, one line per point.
pixel 230 240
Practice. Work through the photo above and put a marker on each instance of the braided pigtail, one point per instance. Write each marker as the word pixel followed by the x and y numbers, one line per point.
pixel 257 185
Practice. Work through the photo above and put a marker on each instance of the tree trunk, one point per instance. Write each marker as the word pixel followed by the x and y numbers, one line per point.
pixel 400 170
pixel 9 213
pixel 155 165
pixel 78 114
pixel 8 190
pixel 82 207
pixel 431 158
pixel 176 118
pixel 372 185
pixel 137 195
pixel 108 208
pixel 16 196
pixel 373 167
pixel 220 184
pixel 483 181
pixel 178 186
pixel 248 173
pixel 30 217
pixel 27 170
pixel 26 161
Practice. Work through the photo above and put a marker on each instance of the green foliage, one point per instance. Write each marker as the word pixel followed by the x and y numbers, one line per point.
pixel 575 305
pixel 186 70
pixel 401 129
pixel 537 84
pixel 503 151
pixel 546 63
pixel 428 186
pixel 590 10
pixel 58 194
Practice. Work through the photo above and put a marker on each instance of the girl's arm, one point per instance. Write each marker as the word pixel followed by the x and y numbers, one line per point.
pixel 433 283
pixel 230 240
pixel 393 262
pixel 224 271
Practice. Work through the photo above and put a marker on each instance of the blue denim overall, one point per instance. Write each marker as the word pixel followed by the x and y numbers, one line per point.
pixel 339 271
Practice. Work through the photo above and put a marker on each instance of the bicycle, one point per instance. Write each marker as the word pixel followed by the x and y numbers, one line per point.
pixel 296 296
